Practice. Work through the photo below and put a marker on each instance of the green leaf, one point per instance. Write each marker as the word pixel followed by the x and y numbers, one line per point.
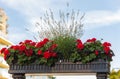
pixel 42 61
pixel 75 57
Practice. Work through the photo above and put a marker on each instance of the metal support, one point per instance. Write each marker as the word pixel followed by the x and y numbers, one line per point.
pixel 18 76
pixel 101 75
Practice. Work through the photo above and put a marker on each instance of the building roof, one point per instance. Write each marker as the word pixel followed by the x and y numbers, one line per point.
pixel 5 41
pixel 1 77
pixel 3 65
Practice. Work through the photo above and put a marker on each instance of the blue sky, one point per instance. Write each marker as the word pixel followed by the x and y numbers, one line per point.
pixel 102 19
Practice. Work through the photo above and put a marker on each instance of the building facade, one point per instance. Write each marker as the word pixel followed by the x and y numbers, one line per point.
pixel 4 42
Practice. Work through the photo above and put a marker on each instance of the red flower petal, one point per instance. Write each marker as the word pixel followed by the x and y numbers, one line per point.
pixel 2 50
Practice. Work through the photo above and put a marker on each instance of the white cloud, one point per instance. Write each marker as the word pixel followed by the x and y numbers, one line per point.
pixel 27 7
pixel 101 18
pixel 34 7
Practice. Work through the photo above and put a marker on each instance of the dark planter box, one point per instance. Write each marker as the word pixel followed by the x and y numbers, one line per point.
pixel 100 67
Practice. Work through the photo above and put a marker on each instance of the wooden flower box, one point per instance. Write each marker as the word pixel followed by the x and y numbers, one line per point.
pixel 100 67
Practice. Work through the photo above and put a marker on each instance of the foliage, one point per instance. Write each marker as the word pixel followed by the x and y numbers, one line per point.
pixel 114 74
pixel 50 51
pixel 28 52
pixel 66 45
pixel 51 77
pixel 90 50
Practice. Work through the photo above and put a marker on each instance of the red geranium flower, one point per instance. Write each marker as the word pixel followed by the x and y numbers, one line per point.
pixel 110 55
pixel 29 52
pixel 96 52
pixel 53 54
pixel 80 46
pixel 107 50
pixel 53 47
pixel 47 55
pixel 79 41
pixel 106 44
pixel 6 52
pixel 45 40
pixel 2 50
pixel 39 44
pixel 15 47
pixel 20 42
pixel 27 41
pixel 22 47
pixel 91 40
pixel 33 43
pixel 5 57
pixel 39 52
